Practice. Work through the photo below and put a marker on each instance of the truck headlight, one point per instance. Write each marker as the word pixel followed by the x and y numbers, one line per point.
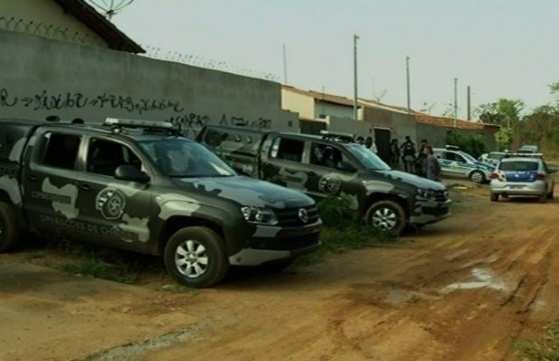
pixel 425 194
pixel 258 215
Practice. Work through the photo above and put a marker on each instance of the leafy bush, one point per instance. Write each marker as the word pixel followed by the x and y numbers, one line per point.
pixel 469 143
pixel 343 230
pixel 546 350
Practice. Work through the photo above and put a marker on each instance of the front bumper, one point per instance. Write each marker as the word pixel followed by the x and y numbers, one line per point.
pixel 275 243
pixel 429 211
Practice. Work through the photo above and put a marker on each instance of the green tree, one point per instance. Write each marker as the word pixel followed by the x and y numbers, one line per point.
pixel 504 112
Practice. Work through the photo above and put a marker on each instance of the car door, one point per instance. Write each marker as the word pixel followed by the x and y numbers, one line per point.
pixel 122 212
pixel 456 164
pixel 330 170
pixel 50 180
pixel 284 163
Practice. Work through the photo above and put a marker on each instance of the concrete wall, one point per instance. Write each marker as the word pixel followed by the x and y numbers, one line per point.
pixel 325 109
pixel 400 124
pixel 47 12
pixel 437 136
pixel 42 77
pixel 298 103
pixel 345 125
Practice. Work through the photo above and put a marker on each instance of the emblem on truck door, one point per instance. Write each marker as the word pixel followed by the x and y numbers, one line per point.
pixel 111 203
pixel 303 215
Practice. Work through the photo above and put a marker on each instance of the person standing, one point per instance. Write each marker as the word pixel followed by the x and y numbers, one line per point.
pixel 432 168
pixel 421 156
pixel 394 153
pixel 408 155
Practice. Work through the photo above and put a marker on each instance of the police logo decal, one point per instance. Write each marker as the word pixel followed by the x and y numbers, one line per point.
pixel 111 203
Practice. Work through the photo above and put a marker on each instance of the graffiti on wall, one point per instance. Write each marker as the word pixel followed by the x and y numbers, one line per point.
pixel 189 122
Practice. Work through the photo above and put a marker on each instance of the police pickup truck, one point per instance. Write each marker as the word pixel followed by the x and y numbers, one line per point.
pixel 140 186
pixel 332 165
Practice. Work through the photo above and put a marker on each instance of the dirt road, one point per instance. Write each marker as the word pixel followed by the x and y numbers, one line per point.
pixel 464 289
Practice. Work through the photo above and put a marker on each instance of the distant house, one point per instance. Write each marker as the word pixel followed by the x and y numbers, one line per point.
pixel 320 111
pixel 66 20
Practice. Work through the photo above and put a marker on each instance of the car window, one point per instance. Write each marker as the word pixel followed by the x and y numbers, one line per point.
pixel 287 149
pixel 104 157
pixel 181 158
pixel 453 157
pixel 328 156
pixel 232 141
pixel 61 150
pixel 519 166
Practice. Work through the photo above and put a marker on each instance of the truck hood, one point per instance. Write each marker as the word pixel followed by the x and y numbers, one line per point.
pixel 411 179
pixel 249 192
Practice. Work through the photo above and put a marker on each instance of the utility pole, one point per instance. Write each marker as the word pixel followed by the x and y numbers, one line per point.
pixel 455 101
pixel 284 64
pixel 408 82
pixel 355 86
pixel 469 103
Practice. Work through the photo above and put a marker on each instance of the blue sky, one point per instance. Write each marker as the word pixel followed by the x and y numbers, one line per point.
pixel 501 48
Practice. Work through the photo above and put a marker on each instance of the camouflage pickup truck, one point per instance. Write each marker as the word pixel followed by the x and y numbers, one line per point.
pixel 332 165
pixel 140 186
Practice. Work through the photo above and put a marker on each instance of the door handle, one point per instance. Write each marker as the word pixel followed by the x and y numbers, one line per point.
pixel 85 187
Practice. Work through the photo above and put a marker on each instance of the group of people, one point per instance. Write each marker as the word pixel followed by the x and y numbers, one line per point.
pixel 420 161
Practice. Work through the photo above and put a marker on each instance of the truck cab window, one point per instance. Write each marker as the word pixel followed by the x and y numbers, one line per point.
pixel 288 149
pixel 61 150
pixel 328 156
pixel 104 157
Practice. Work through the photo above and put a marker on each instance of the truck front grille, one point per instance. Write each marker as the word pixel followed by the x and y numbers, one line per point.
pixel 290 217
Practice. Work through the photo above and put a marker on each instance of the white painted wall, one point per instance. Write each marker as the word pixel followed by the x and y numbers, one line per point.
pixel 48 13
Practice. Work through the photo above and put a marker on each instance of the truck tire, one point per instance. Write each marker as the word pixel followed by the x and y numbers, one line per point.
pixel 387 216
pixel 195 257
pixel 9 232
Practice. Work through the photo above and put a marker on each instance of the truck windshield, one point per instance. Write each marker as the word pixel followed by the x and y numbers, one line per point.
pixel 367 158
pixel 181 158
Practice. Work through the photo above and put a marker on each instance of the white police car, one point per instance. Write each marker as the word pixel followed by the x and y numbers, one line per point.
pixel 456 163
pixel 522 176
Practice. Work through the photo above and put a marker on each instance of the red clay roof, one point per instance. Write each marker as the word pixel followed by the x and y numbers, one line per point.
pixel 449 122
pixel 115 38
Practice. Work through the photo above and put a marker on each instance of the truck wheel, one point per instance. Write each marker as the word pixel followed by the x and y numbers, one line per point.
pixel 195 257
pixel 477 177
pixel 494 197
pixel 9 232
pixel 387 216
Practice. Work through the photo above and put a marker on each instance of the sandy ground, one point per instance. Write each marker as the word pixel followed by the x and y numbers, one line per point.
pixel 464 289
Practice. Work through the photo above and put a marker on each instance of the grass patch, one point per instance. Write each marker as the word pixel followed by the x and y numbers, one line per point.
pixel 104 263
pixel 544 350
pixel 343 231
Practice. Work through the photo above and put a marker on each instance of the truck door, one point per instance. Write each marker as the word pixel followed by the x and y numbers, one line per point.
pixel 284 163
pixel 51 191
pixel 331 171
pixel 120 210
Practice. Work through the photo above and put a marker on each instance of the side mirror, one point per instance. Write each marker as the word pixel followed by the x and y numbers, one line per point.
pixel 132 174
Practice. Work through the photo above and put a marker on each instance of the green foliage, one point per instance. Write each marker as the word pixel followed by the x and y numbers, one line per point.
pixel 343 230
pixel 469 143
pixel 337 211
pixel 545 350
pixel 504 138
pixel 506 112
